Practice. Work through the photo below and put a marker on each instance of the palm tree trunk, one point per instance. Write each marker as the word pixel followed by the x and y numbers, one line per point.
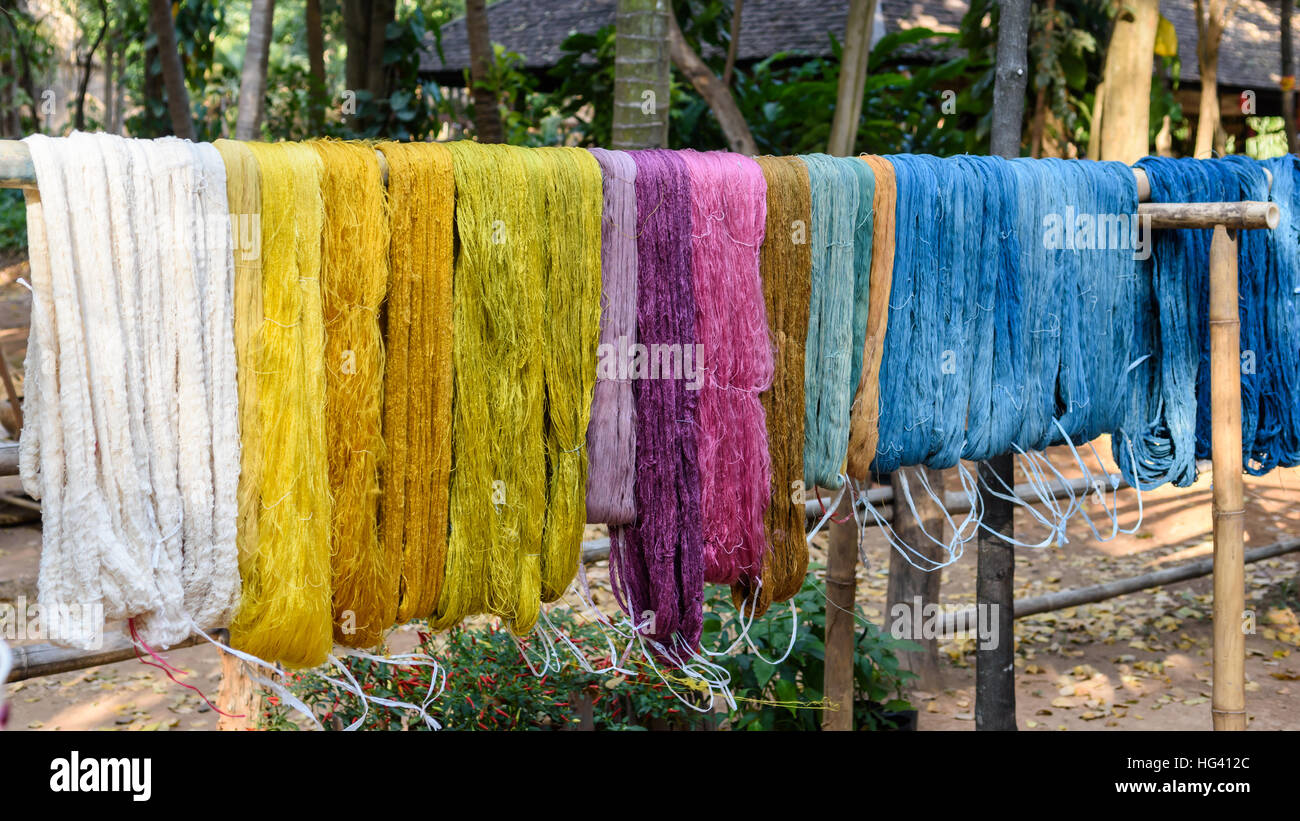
pixel 252 78
pixel 641 75
pixel 169 57
pixel 488 127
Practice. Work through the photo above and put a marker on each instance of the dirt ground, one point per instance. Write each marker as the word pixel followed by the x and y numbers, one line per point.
pixel 1138 662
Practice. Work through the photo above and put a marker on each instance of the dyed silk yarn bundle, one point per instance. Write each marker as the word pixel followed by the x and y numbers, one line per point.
pixel 1177 277
pixel 285 610
pixel 572 215
pixel 657 563
pixel 611 434
pixel 1000 270
pixel 834 305
pixel 135 453
pixel 417 375
pixel 353 284
pixel 498 479
pixel 732 363
pixel 785 264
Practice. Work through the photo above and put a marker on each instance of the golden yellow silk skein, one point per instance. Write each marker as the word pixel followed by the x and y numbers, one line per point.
pixel 497 497
pixel 354 281
pixel 284 613
pixel 573 203
pixel 417 383
pixel 864 424
pixel 244 197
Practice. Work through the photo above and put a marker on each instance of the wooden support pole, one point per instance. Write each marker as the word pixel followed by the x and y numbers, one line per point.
pixel 995 675
pixel 995 672
pixel 910 587
pixel 841 592
pixel 1229 703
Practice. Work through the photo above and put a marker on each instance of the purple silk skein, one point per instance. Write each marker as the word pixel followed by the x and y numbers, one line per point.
pixel 657 563
pixel 611 433
pixel 735 358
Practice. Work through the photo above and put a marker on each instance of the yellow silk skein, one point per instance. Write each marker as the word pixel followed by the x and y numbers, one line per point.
pixel 573 209
pixel 354 281
pixel 417 382
pixel 284 612
pixel 497 496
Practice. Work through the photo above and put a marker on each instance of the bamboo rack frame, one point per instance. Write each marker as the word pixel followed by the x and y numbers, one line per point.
pixel 1229 706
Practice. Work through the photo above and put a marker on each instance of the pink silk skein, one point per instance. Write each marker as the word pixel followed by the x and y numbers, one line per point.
pixel 734 357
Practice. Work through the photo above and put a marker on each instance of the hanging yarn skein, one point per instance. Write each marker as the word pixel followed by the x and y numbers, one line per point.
pixel 572 210
pixel 611 433
pixel 785 263
pixel 1278 443
pixel 864 416
pixel 828 354
pixel 731 362
pixel 134 518
pixel 657 563
pixel 354 281
pixel 925 358
pixel 418 375
pixel 1176 279
pixel 497 498
pixel 284 613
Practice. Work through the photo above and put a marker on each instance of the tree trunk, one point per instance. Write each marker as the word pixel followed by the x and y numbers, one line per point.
pixel 382 12
pixel 1125 128
pixel 87 67
pixel 853 77
pixel 995 674
pixel 365 27
pixel 356 36
pixel 319 95
pixel 252 78
pixel 641 75
pixel 487 116
pixel 718 96
pixel 110 96
pixel 734 45
pixel 1212 17
pixel 1038 126
pixel 910 586
pixel 1288 78
pixel 24 70
pixel 169 57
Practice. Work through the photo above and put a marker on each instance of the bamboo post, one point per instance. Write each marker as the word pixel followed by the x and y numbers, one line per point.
pixel 237 696
pixel 1229 703
pixel 841 593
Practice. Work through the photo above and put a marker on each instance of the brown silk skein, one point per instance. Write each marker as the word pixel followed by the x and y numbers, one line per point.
pixel 785 265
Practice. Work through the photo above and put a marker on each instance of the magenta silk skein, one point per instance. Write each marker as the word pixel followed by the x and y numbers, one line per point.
pixel 735 358
pixel 657 563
